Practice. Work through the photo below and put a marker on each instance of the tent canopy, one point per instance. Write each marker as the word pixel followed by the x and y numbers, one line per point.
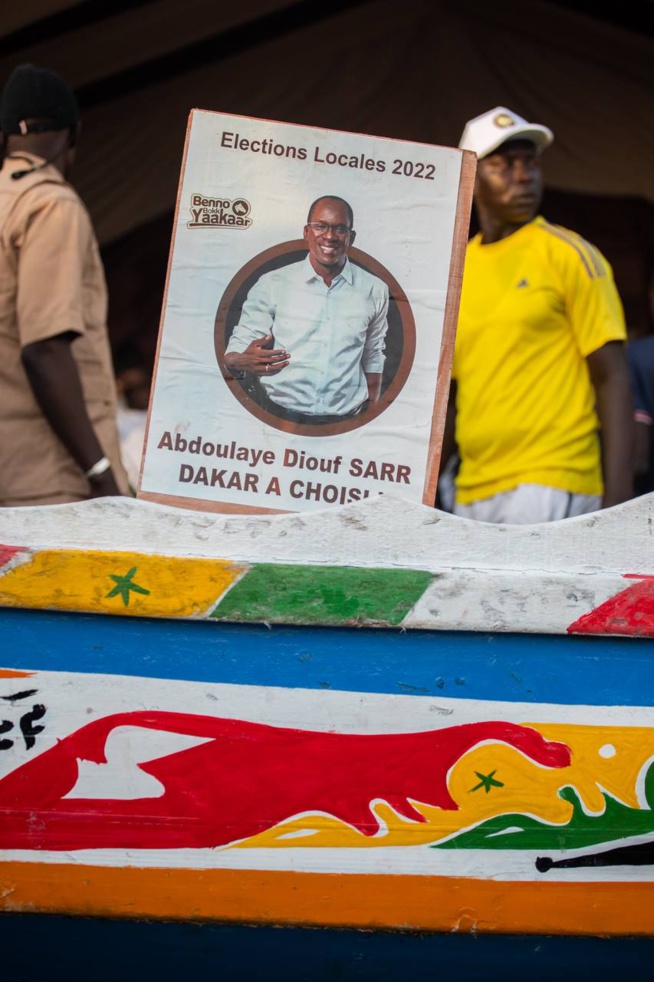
pixel 415 70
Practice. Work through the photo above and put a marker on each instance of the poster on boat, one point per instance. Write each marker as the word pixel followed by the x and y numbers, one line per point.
pixel 308 320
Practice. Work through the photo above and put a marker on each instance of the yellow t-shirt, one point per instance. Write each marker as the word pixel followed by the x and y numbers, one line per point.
pixel 533 307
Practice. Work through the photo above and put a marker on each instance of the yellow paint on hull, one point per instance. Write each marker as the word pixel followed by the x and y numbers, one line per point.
pixel 609 758
pixel 119 582
pixel 603 757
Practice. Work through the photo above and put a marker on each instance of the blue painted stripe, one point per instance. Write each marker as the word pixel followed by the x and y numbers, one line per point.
pixel 524 668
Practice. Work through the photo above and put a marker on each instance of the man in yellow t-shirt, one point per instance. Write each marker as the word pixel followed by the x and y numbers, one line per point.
pixel 539 364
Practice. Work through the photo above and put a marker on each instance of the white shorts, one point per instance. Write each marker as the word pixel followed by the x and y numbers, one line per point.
pixel 528 504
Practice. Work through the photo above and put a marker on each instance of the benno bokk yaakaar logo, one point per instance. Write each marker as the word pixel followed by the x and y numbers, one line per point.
pixel 209 212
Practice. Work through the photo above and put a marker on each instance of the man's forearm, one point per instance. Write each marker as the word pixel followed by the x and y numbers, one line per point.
pixel 617 445
pixel 610 378
pixel 55 382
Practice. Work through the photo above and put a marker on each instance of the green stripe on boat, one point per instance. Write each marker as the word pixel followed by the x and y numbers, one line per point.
pixel 323 595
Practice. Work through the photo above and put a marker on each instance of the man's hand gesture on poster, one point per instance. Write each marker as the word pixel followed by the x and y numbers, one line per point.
pixel 258 358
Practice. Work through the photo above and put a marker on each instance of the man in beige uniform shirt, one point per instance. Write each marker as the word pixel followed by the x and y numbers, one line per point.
pixel 58 439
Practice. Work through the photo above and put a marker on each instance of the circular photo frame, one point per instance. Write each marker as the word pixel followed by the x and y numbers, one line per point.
pixel 400 340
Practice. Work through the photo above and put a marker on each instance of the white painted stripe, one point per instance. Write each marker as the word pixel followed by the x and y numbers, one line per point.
pixel 515 865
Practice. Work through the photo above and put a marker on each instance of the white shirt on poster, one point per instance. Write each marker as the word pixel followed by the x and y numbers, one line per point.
pixel 334 334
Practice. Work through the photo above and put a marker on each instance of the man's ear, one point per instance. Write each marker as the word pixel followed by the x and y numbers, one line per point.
pixel 353 236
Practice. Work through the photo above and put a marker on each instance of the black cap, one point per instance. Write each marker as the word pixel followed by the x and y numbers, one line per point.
pixel 38 95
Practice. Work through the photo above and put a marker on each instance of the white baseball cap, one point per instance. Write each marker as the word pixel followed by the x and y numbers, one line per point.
pixel 487 132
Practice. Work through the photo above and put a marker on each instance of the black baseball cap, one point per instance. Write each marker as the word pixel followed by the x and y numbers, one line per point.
pixel 37 100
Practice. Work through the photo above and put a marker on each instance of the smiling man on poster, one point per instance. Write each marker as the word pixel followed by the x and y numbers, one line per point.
pixel 314 332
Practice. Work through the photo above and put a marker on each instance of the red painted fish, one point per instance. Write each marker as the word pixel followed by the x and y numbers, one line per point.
pixel 247 777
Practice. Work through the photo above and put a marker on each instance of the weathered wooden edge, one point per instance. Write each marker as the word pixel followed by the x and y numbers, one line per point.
pixel 587 575
pixel 387 531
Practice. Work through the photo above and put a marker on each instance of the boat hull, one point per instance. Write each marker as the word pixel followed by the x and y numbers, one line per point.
pixel 424 781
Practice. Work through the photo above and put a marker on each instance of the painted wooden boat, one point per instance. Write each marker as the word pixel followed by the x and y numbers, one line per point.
pixel 428 739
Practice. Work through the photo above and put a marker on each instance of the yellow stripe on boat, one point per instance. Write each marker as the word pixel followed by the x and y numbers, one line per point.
pixel 119 583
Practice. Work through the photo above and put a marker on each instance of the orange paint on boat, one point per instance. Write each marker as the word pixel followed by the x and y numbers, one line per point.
pixel 332 900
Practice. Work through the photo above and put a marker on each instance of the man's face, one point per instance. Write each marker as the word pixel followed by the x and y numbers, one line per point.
pixel 328 248
pixel 509 184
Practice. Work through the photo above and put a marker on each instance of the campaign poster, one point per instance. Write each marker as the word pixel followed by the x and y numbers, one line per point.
pixel 308 320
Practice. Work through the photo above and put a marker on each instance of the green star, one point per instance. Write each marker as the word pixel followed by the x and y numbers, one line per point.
pixel 486 781
pixel 124 585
